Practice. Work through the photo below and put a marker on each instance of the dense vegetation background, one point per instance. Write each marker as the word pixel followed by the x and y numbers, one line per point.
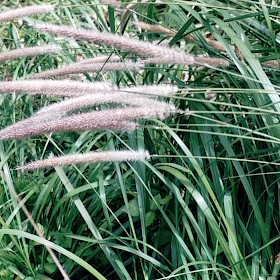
pixel 206 204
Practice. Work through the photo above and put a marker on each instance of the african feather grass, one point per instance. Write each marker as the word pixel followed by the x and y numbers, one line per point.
pixel 77 68
pixel 93 157
pixel 162 54
pixel 206 205
pixel 112 119
pixel 25 11
pixel 31 51
pixel 76 123
pixel 85 101
pixel 55 88
pixel 6 16
pixel 155 28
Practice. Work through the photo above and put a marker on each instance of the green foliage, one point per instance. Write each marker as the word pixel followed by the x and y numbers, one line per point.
pixel 205 206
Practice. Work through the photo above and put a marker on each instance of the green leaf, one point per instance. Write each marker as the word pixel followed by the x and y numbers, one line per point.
pixel 166 199
pixel 153 205
pixel 149 218
pixel 50 268
pixel 133 208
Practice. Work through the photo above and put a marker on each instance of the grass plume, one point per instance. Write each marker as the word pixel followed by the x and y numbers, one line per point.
pixel 113 119
pixel 163 55
pixel 212 62
pixel 31 51
pixel 74 123
pixel 25 11
pixel 55 88
pixel 114 40
pixel 205 61
pixel 100 156
pixel 77 68
pixel 91 100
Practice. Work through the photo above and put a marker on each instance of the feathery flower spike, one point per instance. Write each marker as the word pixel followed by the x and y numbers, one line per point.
pixel 55 88
pixel 14 129
pixel 84 101
pixel 63 125
pixel 114 40
pixel 113 119
pixel 76 68
pixel 205 61
pixel 32 51
pixel 106 156
pixel 25 11
pixel 164 55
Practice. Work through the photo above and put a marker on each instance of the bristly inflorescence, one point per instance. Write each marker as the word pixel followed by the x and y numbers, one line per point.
pixel 121 98
pixel 157 54
pixel 55 88
pixel 115 40
pixel 130 104
pixel 76 68
pixel 104 156
pixel 25 11
pixel 31 51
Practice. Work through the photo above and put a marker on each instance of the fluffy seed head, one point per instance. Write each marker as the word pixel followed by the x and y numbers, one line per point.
pixel 32 51
pixel 79 67
pixel 114 119
pixel 78 123
pixel 114 40
pixel 14 130
pixel 106 156
pixel 55 88
pixel 26 11
pixel 85 101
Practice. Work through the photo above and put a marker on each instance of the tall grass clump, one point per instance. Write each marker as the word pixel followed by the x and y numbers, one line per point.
pixel 139 140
